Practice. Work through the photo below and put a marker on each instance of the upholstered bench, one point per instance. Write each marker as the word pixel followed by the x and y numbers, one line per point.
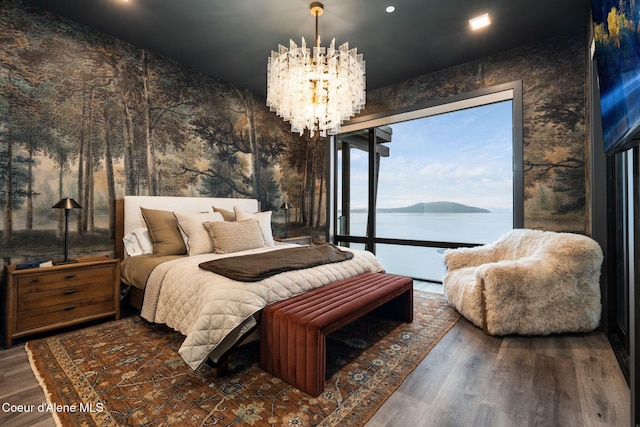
pixel 293 332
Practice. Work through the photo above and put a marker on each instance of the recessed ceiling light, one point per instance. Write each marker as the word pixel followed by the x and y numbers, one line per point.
pixel 390 9
pixel 480 21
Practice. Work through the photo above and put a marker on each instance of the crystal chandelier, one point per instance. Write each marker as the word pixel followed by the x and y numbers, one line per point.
pixel 316 92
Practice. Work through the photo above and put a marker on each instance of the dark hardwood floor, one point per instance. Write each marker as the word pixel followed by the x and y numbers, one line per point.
pixel 471 379
pixel 468 379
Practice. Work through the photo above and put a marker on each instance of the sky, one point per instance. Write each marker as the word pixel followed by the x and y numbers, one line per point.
pixel 464 156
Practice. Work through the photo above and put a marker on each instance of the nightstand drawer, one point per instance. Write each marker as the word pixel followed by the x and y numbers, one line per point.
pixel 69 294
pixel 60 313
pixel 42 281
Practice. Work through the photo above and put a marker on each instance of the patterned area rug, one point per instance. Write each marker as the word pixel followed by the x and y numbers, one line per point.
pixel 128 372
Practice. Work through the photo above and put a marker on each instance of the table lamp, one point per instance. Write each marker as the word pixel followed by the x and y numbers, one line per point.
pixel 286 206
pixel 67 204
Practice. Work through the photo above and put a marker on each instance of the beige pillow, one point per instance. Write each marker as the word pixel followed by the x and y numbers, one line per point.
pixel 234 236
pixel 264 219
pixel 196 236
pixel 227 215
pixel 164 232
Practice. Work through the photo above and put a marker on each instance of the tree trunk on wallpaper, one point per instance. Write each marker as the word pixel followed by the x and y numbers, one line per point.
pixel 90 191
pixel 63 161
pixel 87 198
pixel 8 203
pixel 303 185
pixel 108 165
pixel 6 185
pixel 129 158
pixel 319 210
pixel 255 148
pixel 150 148
pixel 312 187
pixel 81 145
pixel 125 88
pixel 29 216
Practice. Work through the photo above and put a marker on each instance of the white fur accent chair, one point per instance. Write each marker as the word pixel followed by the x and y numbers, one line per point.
pixel 529 282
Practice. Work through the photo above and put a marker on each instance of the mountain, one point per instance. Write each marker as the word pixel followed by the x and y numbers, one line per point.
pixel 435 207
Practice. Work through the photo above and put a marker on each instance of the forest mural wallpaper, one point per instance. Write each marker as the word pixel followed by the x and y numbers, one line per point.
pixel 88 116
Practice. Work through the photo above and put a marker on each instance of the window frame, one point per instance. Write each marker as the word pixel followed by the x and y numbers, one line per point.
pixel 507 91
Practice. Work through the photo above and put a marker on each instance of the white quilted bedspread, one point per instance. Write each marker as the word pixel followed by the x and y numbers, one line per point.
pixel 212 311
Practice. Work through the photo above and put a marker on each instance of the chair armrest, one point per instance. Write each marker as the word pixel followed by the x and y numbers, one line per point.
pixel 455 259
pixel 516 279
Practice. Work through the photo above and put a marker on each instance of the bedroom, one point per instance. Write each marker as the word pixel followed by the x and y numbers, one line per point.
pixel 173 169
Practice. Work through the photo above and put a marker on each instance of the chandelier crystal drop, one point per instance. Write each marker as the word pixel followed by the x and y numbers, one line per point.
pixel 316 89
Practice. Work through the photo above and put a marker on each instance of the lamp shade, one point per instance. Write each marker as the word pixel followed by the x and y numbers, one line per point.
pixel 67 203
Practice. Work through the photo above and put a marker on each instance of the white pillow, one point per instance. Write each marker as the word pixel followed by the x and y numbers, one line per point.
pixel 195 235
pixel 131 245
pixel 138 242
pixel 264 220
pixel 144 239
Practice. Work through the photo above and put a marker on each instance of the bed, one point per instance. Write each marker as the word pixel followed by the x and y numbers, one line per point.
pixel 214 312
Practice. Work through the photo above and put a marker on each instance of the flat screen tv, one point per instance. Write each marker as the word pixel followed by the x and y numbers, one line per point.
pixel 617 37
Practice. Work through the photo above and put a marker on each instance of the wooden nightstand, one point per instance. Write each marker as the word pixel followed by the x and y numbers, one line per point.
pixel 41 299
pixel 299 240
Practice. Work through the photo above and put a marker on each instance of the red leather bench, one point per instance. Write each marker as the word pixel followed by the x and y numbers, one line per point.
pixel 293 332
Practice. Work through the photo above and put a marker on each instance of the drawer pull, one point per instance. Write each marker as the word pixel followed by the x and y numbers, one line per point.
pixel 69 276
pixel 71 307
pixel 70 291
pixel 35 280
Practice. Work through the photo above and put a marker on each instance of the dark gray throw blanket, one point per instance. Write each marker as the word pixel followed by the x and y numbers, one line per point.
pixel 255 267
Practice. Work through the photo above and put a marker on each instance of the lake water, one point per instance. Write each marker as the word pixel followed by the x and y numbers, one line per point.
pixel 427 263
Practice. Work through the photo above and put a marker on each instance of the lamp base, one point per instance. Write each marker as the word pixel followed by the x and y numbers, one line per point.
pixel 64 262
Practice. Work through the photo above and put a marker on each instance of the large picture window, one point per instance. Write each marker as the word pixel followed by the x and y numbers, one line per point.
pixel 411 184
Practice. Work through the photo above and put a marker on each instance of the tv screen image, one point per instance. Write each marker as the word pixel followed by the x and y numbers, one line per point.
pixel 617 37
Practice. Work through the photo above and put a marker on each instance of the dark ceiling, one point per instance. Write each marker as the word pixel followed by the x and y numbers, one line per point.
pixel 231 39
